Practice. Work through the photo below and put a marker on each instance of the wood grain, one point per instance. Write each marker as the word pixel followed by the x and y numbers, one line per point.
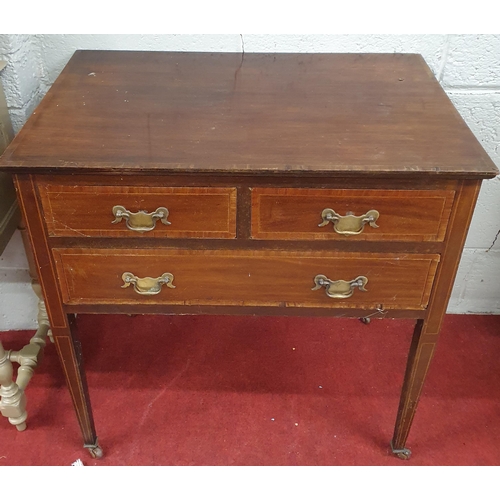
pixel 265 278
pixel 194 212
pixel 227 112
pixel 288 213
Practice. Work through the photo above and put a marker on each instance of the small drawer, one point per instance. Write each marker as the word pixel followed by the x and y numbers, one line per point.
pixel 374 215
pixel 132 211
pixel 245 278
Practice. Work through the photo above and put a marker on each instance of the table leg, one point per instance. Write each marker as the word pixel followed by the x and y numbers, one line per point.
pixel 63 327
pixel 69 350
pixel 419 358
pixel 427 330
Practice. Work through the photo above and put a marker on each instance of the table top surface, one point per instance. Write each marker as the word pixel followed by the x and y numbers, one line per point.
pixel 124 111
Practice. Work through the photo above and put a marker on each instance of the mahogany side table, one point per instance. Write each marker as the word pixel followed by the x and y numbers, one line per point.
pixel 222 183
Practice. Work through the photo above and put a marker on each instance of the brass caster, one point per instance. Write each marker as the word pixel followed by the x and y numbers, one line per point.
pixel 96 452
pixel 365 321
pixel 94 449
pixel 403 454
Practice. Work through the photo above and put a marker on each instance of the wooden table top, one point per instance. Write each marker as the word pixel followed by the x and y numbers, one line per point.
pixel 124 111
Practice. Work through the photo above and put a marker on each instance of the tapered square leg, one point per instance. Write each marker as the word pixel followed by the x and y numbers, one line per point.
pixel 427 330
pixel 69 350
pixel 62 325
pixel 419 358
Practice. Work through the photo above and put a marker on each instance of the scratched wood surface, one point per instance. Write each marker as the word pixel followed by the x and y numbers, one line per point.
pixel 221 112
pixel 85 210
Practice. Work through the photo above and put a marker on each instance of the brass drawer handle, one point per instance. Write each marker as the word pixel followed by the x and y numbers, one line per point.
pixel 340 289
pixel 348 224
pixel 140 221
pixel 147 286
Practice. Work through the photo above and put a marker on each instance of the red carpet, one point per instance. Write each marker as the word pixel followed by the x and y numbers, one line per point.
pixel 263 391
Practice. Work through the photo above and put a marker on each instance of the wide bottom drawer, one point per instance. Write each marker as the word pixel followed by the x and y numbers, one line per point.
pixel 245 278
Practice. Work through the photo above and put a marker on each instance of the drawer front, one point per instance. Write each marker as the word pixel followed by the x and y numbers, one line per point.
pixel 296 214
pixel 242 278
pixel 193 212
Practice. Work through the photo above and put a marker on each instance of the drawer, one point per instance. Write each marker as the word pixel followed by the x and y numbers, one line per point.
pixel 192 212
pixel 243 278
pixel 403 215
